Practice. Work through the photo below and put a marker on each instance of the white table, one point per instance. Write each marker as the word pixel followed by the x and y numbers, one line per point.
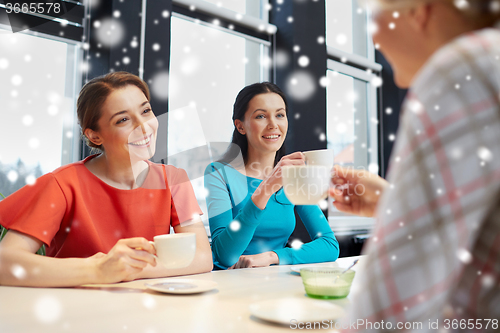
pixel 130 307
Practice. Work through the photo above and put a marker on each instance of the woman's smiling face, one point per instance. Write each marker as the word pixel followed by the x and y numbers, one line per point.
pixel 127 126
pixel 265 124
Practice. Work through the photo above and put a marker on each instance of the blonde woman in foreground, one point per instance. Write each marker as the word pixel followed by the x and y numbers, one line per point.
pixel 434 257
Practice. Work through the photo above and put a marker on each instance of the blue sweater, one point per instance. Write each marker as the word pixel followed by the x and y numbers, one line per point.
pixel 238 227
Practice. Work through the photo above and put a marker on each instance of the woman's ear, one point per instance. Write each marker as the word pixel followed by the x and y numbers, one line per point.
pixel 93 137
pixel 239 126
pixel 419 16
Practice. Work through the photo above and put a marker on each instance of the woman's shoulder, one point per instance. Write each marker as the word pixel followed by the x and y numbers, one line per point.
pixel 174 175
pixel 220 168
pixel 69 170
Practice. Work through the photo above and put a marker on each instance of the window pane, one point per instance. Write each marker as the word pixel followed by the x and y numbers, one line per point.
pixel 347 130
pixel 208 67
pixel 348 123
pixel 37 94
pixel 346 26
pixel 254 8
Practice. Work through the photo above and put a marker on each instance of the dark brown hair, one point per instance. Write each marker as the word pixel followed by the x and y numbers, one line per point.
pixel 94 94
pixel 239 141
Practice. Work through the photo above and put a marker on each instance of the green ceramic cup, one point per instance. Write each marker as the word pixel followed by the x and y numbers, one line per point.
pixel 326 282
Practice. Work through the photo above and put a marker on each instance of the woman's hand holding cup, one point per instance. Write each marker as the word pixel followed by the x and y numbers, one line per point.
pixel 129 256
pixel 356 191
pixel 273 182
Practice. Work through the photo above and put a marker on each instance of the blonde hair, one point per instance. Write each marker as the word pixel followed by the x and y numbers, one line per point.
pixel 483 13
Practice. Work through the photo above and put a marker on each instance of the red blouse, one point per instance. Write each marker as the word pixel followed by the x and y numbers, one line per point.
pixel 77 215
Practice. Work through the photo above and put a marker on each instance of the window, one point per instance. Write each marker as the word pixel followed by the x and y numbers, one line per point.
pixel 209 65
pixel 254 8
pixel 352 125
pixel 346 27
pixel 38 90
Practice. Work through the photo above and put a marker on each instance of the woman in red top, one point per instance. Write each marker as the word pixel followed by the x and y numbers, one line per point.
pixel 97 215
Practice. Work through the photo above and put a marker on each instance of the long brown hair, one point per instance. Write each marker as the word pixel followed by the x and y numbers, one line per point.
pixel 94 94
pixel 239 141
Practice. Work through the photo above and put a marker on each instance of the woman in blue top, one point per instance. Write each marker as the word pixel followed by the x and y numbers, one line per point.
pixel 250 217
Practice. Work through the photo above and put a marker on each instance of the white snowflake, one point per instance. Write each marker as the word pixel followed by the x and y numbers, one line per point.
pixel 372 28
pixel 303 61
pixel 415 106
pixel 110 32
pixel 52 110
pixel 488 281
pixel 160 85
pixel 376 81
pixel 323 204
pixel 341 128
pixel 388 111
pixel 373 168
pixel 301 85
pixel 34 143
pixel 4 63
pixel 30 180
pixel 48 309
pixel 235 225
pixel 495 6
pixel 282 59
pixel 461 4
pixel 148 301
pixel 484 154
pixel 296 244
pixel 18 271
pixel 16 80
pixel 27 120
pixel 464 256
pixel 341 39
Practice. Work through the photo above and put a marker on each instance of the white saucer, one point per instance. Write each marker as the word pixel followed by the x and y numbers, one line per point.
pixel 284 310
pixel 182 286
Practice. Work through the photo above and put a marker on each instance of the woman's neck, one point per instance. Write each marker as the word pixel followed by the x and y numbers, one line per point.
pixel 259 165
pixel 117 173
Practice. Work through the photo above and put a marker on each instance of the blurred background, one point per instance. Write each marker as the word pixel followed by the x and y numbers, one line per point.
pixel 196 55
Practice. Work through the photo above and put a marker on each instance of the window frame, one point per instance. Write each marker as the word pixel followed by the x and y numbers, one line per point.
pixel 363 69
pixel 74 143
pixel 251 28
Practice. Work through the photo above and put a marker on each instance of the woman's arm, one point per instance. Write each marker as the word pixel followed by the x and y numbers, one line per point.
pixel 356 191
pixel 201 263
pixel 20 266
pixel 228 240
pixel 231 236
pixel 323 245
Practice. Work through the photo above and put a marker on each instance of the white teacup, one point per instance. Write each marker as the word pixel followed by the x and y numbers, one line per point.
pixel 175 250
pixel 320 157
pixel 306 184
